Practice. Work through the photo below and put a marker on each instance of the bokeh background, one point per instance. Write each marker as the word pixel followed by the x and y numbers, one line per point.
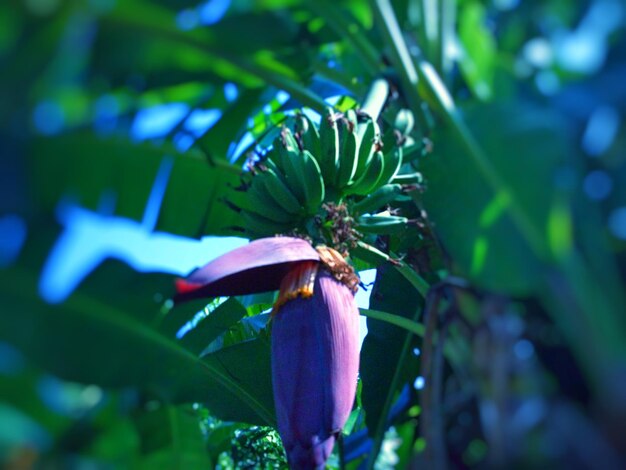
pixel 125 124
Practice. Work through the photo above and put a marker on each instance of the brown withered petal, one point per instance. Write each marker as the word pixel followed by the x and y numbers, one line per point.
pixel 258 266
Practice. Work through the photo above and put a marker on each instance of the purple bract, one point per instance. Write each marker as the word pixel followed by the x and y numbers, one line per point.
pixel 258 266
pixel 315 362
pixel 315 334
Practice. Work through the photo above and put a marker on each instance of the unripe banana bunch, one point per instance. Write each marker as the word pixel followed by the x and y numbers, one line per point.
pixel 285 190
pixel 352 159
pixel 339 160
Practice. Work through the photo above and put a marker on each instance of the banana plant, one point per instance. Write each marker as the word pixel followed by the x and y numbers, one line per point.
pixel 431 142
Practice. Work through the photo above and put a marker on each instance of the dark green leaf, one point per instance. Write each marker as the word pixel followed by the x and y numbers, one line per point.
pixel 385 364
pixel 172 319
pixel 231 126
pixel 479 58
pixel 248 365
pixel 20 391
pixel 98 168
pixel 215 323
pixel 249 328
pixel 286 72
pixel 171 438
pixel 141 295
pixel 246 33
pixel 87 340
pixel 117 441
pixel 474 220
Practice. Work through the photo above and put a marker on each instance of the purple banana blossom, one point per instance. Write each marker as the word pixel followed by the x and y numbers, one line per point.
pixel 315 335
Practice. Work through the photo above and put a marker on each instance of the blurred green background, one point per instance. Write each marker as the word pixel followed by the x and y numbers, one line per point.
pixel 124 125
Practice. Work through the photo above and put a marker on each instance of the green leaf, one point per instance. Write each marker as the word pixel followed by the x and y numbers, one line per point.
pixel 509 227
pixel 117 441
pixel 87 340
pixel 480 53
pixel 193 201
pixel 28 57
pixel 247 329
pixel 220 438
pixel 284 71
pixel 428 20
pixel 232 125
pixel 172 317
pixel 171 438
pixel 474 219
pixel 386 364
pixel 248 364
pixel 402 322
pixel 399 55
pixel 348 27
pixel 19 390
pixel 140 295
pixel 90 168
pixel 249 32
pixel 215 323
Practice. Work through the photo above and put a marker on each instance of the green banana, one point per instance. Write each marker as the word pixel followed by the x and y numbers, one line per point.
pixel 408 142
pixel 367 146
pixel 410 178
pixel 288 139
pixel 273 159
pixel 291 163
pixel 411 152
pixel 269 161
pixel 313 182
pixel 260 202
pixel 260 225
pixel 309 135
pixel 379 198
pixel 348 158
pixel 351 118
pixel 369 254
pixel 275 186
pixel 404 122
pixel 370 178
pixel 389 138
pixel 381 224
pixel 301 124
pixel 393 162
pixel 329 146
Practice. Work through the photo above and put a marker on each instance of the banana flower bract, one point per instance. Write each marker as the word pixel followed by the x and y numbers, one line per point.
pixel 315 334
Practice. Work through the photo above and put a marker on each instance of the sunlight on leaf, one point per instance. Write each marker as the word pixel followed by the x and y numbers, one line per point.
pixel 479 255
pixel 494 209
pixel 560 229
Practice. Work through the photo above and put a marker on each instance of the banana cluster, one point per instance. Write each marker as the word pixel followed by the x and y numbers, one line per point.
pixel 339 161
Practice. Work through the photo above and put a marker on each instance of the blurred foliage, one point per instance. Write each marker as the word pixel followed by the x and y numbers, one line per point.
pixel 511 276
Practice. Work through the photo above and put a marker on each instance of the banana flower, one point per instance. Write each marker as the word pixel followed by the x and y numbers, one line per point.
pixel 315 334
